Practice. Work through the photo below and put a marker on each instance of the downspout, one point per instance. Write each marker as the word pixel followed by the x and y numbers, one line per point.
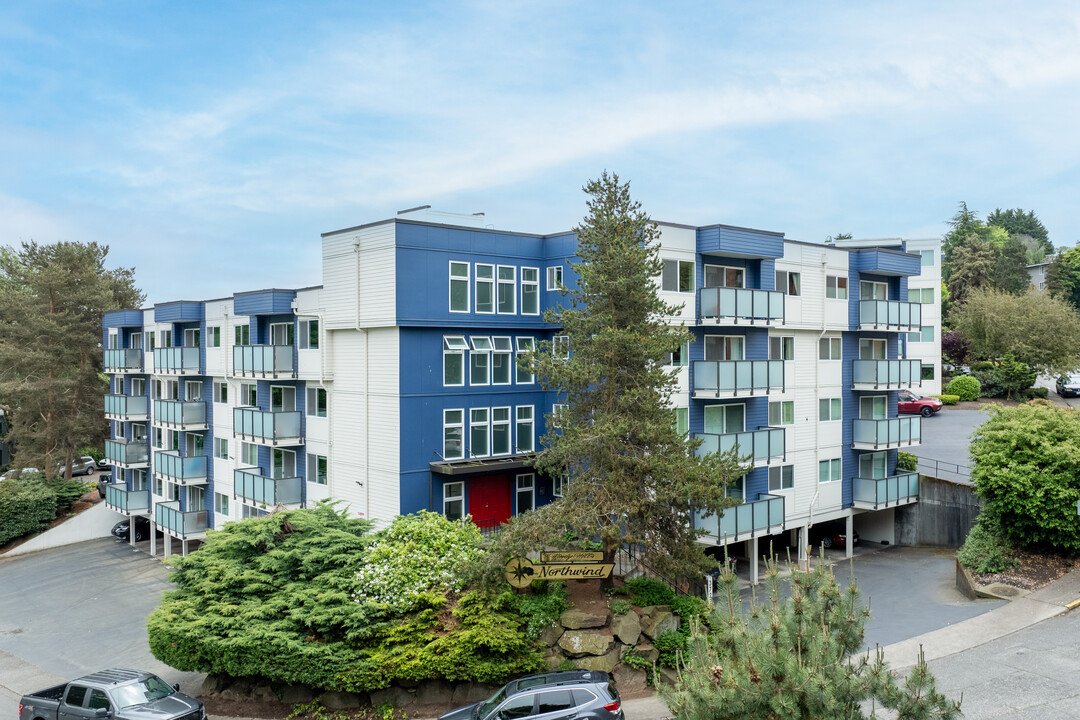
pixel 367 391
pixel 817 384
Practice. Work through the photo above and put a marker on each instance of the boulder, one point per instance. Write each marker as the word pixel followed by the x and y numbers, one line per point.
pixel 214 684
pixel 630 681
pixel 430 692
pixel 576 643
pixel 667 676
pixel 551 634
pixel 239 689
pixel 296 694
pixel 263 692
pixel 394 696
pixel 553 658
pixel 627 628
pixel 647 651
pixel 578 619
pixel 334 700
pixel 471 692
pixel 660 622
pixel 598 663
pixel 406 682
pixel 650 609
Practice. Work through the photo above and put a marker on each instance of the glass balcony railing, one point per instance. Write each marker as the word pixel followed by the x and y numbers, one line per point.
pixel 875 493
pixel 267 428
pixel 169 518
pixel 740 306
pixel 128 502
pixel 889 315
pixel 177 361
pixel 127 453
pixel 182 415
pixel 273 361
pixel 885 374
pixel 733 378
pixel 181 470
pixel 125 407
pixel 886 434
pixel 763 516
pixel 126 360
pixel 254 487
pixel 763 445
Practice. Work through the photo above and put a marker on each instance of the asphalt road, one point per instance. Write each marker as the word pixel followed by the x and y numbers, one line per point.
pixel 945 437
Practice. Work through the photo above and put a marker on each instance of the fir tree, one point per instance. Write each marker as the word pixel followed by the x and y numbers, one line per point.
pixel 972 266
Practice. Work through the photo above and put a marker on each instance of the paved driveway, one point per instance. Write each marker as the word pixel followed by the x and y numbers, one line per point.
pixel 945 438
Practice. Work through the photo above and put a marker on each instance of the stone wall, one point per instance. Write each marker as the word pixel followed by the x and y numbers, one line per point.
pixel 944 515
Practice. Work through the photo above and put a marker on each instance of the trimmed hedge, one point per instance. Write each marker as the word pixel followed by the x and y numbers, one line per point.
pixel 948 399
pixel 1037 393
pixel 965 387
pixel 25 507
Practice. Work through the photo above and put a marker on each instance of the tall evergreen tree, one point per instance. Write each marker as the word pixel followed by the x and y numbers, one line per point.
pixel 965 225
pixel 971 266
pixel 1010 269
pixel 633 477
pixel 53 298
pixel 1063 276
pixel 1017 223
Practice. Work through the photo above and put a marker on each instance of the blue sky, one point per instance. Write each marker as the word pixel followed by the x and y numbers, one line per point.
pixel 209 144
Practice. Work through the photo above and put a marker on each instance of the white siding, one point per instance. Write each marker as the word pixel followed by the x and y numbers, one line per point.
pixel 677 243
pixel 359 277
pixel 218 360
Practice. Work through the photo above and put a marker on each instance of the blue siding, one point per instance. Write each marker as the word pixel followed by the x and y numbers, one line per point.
pixel 264 302
pixel 178 311
pixel 885 261
pixel 739 242
pixel 122 318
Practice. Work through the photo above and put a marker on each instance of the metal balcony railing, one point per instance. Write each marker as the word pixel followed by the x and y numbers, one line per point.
pixel 886 434
pixel 764 445
pixel 177 361
pixel 876 493
pixel 181 415
pixel 183 525
pixel 886 374
pixel 123 361
pixel 168 465
pixel 126 407
pixel 763 516
pixel 740 306
pixel 737 378
pixel 272 361
pixel 253 486
pixel 890 315
pixel 267 428
pixel 127 453
pixel 127 502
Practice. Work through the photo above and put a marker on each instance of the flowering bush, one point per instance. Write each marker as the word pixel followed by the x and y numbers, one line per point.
pixel 416 553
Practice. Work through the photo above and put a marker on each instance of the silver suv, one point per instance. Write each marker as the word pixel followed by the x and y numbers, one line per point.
pixel 571 694
pixel 84 465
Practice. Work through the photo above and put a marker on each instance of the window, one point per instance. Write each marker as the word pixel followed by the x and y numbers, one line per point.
pixel 282 398
pixel 530 291
pixel 138 480
pixel 927 258
pixel 281 333
pixel 829 409
pixel 781 478
pixel 556 414
pixel 459 286
pixel 166 390
pixel 138 386
pixel 869 290
pixel 453 431
pixel 479 431
pixel 678 276
pixel 213 336
pixel 316 402
pixel 249 394
pixel 524 428
pixel 480 365
pixel 502 360
pixel 872 465
pixel 485 288
pixel 152 343
pixel 98 699
pixel 138 432
pixel 193 390
pixel 247 511
pixel 114 341
pixel 719 276
pixel 560 346
pixel 554 701
pixel 194 444
pixel 926 333
pixel 453 500
pixel 927 372
pixel 680 357
pixel 316 469
pixel 782 348
pixel 525 345
pixel 282 463
pixel 76 695
pixel 782 413
pixel 871 349
pixel 724 419
pixel 221 391
pixel 829 348
pixel 724 347
pixel 525 489
pixel 242 335
pixel 165 339
pixel 309 331
pixel 507 290
pixel 516 708
pixel 559 485
pixel 136 341
pixel 554 278
pixel 159 487
pixel 872 408
pixel 829 470
pixel 454 347
pixel 789 283
pixel 221 448
pixel 500 431
pixel 836 287
pixel 249 454
pixel 682 421
pixel 221 504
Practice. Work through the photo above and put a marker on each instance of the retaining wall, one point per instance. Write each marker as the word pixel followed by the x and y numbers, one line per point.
pixel 944 515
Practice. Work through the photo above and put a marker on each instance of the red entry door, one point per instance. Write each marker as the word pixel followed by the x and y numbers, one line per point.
pixel 489 500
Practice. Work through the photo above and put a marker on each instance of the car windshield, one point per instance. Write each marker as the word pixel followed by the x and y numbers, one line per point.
pixel 914 396
pixel 141 692
pixel 484 708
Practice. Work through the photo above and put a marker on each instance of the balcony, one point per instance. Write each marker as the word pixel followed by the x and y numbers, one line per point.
pixel 765 446
pixel 263 361
pixel 126 408
pixel 737 378
pixel 874 494
pixel 257 489
pixel 177 361
pixel 128 454
pixel 887 434
pixel 267 428
pixel 168 465
pixel 738 306
pixel 177 415
pixel 182 525
pixel 127 502
pixel 890 315
pixel 886 374
pixel 764 516
pixel 123 361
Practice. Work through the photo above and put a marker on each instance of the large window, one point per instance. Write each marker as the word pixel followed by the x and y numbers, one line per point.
pixel 836 287
pixel 454 347
pixel 281 333
pixel 485 288
pixel 789 283
pixel 678 276
pixel 554 278
pixel 316 402
pixel 500 431
pixel 526 491
pixel 724 419
pixel 453 504
pixel 524 428
pixel 480 361
pixel 459 286
pixel 781 478
pixel 282 398
pixel 829 470
pixel 309 330
pixel 453 434
pixel 479 431
pixel 502 360
pixel 927 258
pixel 782 348
pixel 869 290
pixel 530 291
pixel 724 347
pixel 872 465
pixel 524 345
pixel 829 348
pixel 242 335
pixel 721 276
pixel 782 412
pixel 873 408
pixel 316 469
pixel 829 409
pixel 507 290
pixel 872 349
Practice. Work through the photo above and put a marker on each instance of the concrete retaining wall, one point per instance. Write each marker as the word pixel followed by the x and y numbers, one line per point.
pixel 95 522
pixel 946 511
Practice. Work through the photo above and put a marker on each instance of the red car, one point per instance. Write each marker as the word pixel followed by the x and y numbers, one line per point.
pixel 909 402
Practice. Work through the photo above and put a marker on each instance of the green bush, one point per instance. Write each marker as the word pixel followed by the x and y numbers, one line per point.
pixel 1015 376
pixel 25 507
pixel 689 608
pixel 67 493
pixel 982 365
pixel 92 452
pixel 906 461
pixel 948 399
pixel 542 606
pixel 620 607
pixel 1037 393
pixel 966 387
pixel 989 382
pixel 670 644
pixel 645 591
pixel 985 551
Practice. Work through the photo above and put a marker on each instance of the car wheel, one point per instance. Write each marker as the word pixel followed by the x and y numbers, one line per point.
pixel 139 537
pixel 926 412
pixel 826 542
pixel 89 471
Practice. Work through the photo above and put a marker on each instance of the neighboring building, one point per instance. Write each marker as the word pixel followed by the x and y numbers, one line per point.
pixel 1037 273
pixel 392 387
pixel 923 288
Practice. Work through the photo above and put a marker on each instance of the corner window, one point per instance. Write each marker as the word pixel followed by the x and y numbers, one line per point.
pixel 829 348
pixel 525 345
pixel 454 347
pixel 525 492
pixel 524 428
pixel 309 334
pixel 530 291
pixel 829 409
pixel 782 413
pixel 836 287
pixel 678 276
pixel 782 348
pixel 453 434
pixel 459 286
pixel 454 500
pixel 781 478
pixel 789 283
pixel 829 470
pixel 555 278
pixel 485 288
pixel 507 290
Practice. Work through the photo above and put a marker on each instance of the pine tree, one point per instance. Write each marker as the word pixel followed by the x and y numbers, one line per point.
pixel 633 477
pixel 972 266
pixel 54 297
pixel 1009 272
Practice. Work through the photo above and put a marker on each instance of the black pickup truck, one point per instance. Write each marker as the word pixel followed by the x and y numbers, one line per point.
pixel 118 694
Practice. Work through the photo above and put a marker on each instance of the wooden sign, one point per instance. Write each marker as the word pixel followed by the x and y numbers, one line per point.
pixel 572 556
pixel 522 571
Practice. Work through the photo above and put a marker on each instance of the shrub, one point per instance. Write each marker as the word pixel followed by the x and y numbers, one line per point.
pixel 542 607
pixel 92 452
pixel 906 461
pixel 25 507
pixel 1037 393
pixel 948 399
pixel 646 591
pixel 670 644
pixel 620 607
pixel 989 382
pixel 965 387
pixel 1015 376
pixel 689 609
pixel 67 493
pixel 982 365
pixel 985 551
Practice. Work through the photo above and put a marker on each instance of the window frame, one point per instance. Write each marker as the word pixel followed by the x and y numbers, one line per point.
pixel 833 468
pixel 833 410
pixel 520 423
pixel 524 344
pixel 924 254
pixel 488 281
pixel 221 448
pixel 780 405
pixel 828 344
pixel 312 472
pixel 679 357
pixel 221 504
pixel 706 267
pixel 530 288
pixel 457 497
pixel 560 347
pixel 833 285
pixel 242 334
pixel 507 285
pixel 785 483
pixel 480 353
pixel 308 335
pixel 678 276
pixel 290 334
pixel 554 278
pixel 213 336
pixel 520 489
pixel 449 425
pixel 467 279
pixel 725 343
pixel 792 280
pixel 485 426
pixel 874 284
pixel 249 454
pixel 503 347
pixel 508 426
pixel 315 392
pixel 785 345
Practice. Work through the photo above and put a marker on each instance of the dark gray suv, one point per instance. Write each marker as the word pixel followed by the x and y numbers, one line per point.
pixel 571 694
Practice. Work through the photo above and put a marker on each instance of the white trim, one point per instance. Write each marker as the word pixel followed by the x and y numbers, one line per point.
pixel 467 278
pixel 490 281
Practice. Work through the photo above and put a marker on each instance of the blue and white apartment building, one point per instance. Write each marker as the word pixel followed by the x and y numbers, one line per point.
pixel 393 387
